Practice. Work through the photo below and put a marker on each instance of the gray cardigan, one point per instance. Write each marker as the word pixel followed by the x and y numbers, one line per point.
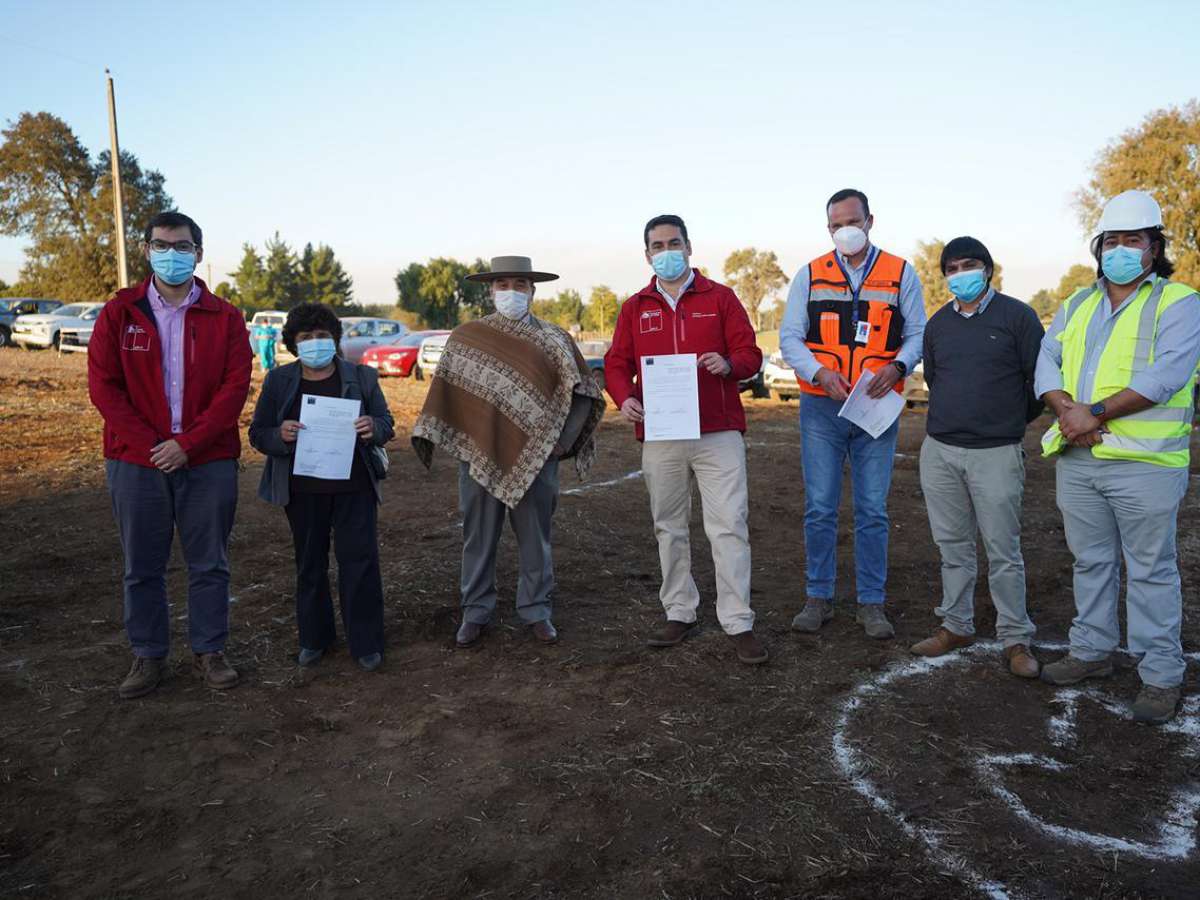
pixel 276 399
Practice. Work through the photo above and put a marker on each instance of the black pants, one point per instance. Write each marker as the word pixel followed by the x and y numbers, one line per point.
pixel 352 518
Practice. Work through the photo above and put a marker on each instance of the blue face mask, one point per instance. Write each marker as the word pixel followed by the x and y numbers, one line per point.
pixel 317 353
pixel 967 286
pixel 669 264
pixel 172 266
pixel 1122 264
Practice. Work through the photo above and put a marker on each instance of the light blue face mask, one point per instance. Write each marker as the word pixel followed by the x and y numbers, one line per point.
pixel 172 266
pixel 317 353
pixel 1122 264
pixel 967 286
pixel 669 264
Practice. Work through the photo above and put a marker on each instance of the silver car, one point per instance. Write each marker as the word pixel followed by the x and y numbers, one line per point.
pixel 360 334
pixel 429 354
pixel 45 330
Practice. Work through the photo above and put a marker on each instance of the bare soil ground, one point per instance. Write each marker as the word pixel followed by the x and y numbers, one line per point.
pixel 595 768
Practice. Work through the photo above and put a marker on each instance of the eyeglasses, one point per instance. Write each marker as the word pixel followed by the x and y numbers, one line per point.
pixel 181 246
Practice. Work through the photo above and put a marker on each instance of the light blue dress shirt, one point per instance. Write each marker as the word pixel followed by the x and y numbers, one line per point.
pixel 1176 348
pixel 794 330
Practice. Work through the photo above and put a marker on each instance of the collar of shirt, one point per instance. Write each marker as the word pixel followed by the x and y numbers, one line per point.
pixel 1106 306
pixel 861 269
pixel 158 303
pixel 987 298
pixel 674 300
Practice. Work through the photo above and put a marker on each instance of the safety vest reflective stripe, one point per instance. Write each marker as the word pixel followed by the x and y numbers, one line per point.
pixel 1146 445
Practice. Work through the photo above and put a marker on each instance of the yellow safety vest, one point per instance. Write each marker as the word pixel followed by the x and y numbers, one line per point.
pixel 1158 435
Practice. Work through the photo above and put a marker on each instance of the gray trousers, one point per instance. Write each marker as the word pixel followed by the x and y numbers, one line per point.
pixel 483 521
pixel 978 489
pixel 1119 508
pixel 149 505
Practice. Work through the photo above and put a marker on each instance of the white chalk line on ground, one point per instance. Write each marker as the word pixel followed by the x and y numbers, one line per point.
pixel 1176 838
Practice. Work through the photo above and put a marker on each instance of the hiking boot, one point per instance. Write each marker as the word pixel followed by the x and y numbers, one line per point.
pixel 1070 670
pixel 1155 705
pixel 216 672
pixel 816 613
pixel 544 631
pixel 144 676
pixel 749 648
pixel 671 634
pixel 874 621
pixel 941 642
pixel 1021 662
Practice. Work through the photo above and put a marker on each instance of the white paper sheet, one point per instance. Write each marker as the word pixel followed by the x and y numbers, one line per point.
pixel 671 397
pixel 325 446
pixel 872 416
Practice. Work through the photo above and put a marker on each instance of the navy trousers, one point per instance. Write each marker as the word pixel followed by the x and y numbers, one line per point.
pixel 149 506
pixel 352 519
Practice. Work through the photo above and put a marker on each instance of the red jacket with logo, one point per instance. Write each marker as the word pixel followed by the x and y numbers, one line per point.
pixel 125 378
pixel 708 318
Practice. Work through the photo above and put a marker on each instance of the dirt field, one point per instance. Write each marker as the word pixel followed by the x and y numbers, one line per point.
pixel 596 768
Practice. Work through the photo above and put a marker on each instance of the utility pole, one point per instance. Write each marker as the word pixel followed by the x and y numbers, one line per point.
pixel 118 205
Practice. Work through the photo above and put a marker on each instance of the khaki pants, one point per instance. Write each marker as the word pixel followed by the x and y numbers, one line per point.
pixel 718 460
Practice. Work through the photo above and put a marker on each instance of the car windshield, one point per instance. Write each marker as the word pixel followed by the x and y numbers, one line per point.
pixel 72 311
pixel 412 340
pixel 388 328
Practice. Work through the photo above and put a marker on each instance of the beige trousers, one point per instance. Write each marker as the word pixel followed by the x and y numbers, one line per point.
pixel 718 461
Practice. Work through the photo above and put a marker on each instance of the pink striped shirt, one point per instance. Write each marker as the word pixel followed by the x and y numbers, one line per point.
pixel 170 320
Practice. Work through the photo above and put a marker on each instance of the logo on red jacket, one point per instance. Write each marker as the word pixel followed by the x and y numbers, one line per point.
pixel 651 320
pixel 136 338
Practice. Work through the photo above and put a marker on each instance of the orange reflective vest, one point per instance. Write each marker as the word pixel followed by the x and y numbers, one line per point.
pixel 834 338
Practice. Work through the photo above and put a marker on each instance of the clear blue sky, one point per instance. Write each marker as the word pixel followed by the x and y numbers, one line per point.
pixel 399 131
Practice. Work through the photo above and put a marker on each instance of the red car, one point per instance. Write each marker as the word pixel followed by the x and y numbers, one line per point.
pixel 400 357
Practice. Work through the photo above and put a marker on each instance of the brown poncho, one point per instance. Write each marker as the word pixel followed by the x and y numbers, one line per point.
pixel 500 398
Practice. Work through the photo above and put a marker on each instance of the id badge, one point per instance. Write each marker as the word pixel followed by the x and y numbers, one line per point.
pixel 864 333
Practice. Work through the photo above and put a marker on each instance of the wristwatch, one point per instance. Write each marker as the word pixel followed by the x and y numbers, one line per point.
pixel 1097 410
pixel 901 366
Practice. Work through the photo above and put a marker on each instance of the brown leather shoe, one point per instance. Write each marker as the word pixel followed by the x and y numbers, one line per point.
pixel 469 634
pixel 145 675
pixel 1021 662
pixel 544 631
pixel 216 672
pixel 749 648
pixel 671 634
pixel 940 643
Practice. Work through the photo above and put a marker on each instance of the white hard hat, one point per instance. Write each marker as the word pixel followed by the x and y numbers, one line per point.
pixel 1130 211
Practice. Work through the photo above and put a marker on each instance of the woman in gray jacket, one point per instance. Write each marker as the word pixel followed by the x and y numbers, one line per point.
pixel 316 507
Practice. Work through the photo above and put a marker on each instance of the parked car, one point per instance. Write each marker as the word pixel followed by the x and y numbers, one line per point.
pixel 756 383
pixel 42 330
pixel 429 354
pixel 22 306
pixel 359 334
pixel 400 357
pixel 779 378
pixel 593 354
pixel 75 338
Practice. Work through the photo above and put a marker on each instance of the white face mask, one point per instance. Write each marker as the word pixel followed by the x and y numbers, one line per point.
pixel 512 304
pixel 849 239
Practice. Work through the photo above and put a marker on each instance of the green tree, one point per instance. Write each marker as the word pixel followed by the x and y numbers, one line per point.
pixel 928 263
pixel 249 281
pixel 600 314
pixel 476 296
pixel 565 308
pixel 282 285
pixel 323 278
pixel 1046 302
pixel 754 276
pixel 408 289
pixel 54 194
pixel 1162 155
pixel 438 293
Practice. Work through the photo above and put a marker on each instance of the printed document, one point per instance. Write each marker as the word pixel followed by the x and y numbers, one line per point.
pixel 326 444
pixel 671 397
pixel 871 415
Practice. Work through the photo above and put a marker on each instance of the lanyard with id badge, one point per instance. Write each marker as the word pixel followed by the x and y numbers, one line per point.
pixel 862 330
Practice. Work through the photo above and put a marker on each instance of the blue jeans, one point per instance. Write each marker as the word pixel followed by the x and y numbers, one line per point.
pixel 825 442
pixel 149 505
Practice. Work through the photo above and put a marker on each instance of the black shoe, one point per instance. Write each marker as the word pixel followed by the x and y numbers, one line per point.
pixel 309 657
pixel 371 661
pixel 544 631
pixel 469 634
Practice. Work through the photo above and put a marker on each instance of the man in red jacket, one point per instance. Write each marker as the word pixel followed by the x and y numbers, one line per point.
pixel 682 312
pixel 169 370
